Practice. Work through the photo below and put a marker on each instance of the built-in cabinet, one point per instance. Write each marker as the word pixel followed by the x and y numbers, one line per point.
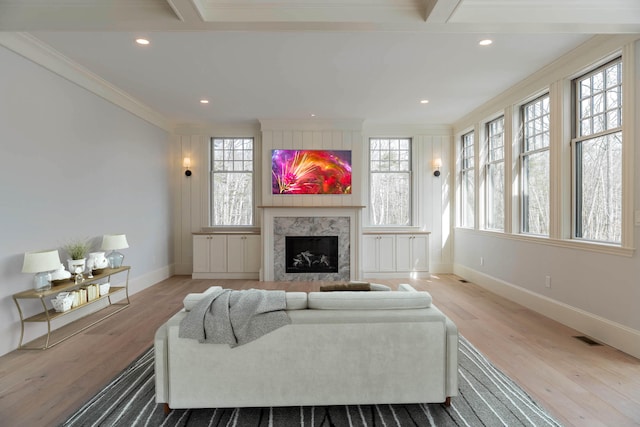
pixel 395 254
pixel 226 256
pixel 238 255
pixel 379 252
pixel 245 251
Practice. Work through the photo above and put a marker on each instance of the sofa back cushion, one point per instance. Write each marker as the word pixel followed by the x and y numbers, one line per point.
pixel 295 300
pixel 353 286
pixel 368 300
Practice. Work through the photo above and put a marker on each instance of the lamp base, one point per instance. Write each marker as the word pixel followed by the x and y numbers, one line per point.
pixel 115 259
pixel 42 281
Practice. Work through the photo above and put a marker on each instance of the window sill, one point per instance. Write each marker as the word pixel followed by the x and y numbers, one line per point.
pixel 562 243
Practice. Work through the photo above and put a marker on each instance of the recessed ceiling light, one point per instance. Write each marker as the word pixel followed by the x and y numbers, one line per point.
pixel 204 101
pixel 485 42
pixel 142 41
pixel 424 101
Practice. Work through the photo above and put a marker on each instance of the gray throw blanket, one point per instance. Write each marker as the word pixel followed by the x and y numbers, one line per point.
pixel 233 317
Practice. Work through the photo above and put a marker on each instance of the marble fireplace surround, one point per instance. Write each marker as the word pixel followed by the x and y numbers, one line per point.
pixel 281 221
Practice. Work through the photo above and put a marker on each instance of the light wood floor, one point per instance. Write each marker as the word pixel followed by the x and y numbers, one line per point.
pixel 581 385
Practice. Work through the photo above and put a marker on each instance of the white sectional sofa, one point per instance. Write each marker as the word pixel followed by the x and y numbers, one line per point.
pixel 340 348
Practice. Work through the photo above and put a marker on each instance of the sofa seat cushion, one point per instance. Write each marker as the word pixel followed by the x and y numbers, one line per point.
pixel 368 300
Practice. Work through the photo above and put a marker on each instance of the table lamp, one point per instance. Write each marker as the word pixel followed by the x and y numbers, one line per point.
pixel 113 242
pixel 42 263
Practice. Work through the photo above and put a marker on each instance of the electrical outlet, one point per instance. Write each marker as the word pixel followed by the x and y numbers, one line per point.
pixel 547 281
pixel 481 260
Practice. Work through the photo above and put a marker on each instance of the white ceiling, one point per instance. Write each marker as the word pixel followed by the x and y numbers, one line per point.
pixel 367 59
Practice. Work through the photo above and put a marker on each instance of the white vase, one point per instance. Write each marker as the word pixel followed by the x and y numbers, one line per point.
pixel 75 263
pixel 97 260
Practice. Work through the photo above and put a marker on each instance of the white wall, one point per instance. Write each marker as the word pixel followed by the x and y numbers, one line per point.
pixel 596 292
pixel 432 210
pixel 73 165
pixel 433 213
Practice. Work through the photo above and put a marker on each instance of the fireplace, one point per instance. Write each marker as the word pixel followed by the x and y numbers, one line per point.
pixel 280 222
pixel 311 254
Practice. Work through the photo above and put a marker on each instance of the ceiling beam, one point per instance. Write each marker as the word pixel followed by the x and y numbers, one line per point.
pixel 440 11
pixel 188 11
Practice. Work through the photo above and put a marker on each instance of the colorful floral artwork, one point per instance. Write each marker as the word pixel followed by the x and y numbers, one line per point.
pixel 311 172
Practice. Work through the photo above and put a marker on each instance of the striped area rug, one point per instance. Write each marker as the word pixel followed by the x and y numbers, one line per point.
pixel 487 398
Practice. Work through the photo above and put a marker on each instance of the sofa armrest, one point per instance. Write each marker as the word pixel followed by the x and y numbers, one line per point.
pixel 405 287
pixel 451 384
pixel 161 365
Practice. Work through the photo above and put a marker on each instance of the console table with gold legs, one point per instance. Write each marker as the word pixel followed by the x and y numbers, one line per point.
pixel 49 314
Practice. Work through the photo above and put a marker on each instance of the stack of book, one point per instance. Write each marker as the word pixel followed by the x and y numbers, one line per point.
pixel 85 294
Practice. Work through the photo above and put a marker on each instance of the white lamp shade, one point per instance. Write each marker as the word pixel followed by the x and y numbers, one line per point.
pixel 114 241
pixel 38 262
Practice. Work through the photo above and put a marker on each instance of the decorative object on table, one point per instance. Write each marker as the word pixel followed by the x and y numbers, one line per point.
pixel 79 278
pixel 114 242
pixel 62 302
pixel 77 251
pixel 60 276
pixel 96 263
pixel 42 263
pixel 104 288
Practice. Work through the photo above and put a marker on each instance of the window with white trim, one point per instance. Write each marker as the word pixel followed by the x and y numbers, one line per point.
pixel 597 154
pixel 390 181
pixel 232 181
pixel 494 178
pixel 534 167
pixel 467 180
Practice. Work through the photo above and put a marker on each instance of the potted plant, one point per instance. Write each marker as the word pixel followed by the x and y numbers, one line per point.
pixel 77 251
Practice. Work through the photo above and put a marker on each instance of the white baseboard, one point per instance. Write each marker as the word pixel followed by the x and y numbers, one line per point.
pixel 245 276
pixel 600 329
pixel 150 278
pixel 441 268
pixel 398 275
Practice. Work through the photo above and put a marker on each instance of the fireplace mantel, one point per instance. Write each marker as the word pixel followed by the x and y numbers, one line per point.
pixel 269 215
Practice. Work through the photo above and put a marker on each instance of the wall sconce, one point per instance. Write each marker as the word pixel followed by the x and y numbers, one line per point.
pixel 437 164
pixel 186 163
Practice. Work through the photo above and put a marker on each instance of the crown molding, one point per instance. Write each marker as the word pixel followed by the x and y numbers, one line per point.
pixel 31 48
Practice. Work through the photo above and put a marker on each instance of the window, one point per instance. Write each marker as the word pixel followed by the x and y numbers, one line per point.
pixel 597 154
pixel 495 175
pixel 231 181
pixel 534 166
pixel 390 176
pixel 467 180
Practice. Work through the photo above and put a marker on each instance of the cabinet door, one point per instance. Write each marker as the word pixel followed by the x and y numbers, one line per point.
pixel 243 254
pixel 370 253
pixel 201 254
pixel 386 253
pixel 217 254
pixel 252 254
pixel 420 253
pixel 412 253
pixel 235 254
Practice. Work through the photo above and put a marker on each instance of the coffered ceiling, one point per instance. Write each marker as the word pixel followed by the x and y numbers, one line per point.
pixel 368 59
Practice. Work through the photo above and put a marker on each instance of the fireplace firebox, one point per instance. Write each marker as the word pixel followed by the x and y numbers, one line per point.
pixel 311 254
